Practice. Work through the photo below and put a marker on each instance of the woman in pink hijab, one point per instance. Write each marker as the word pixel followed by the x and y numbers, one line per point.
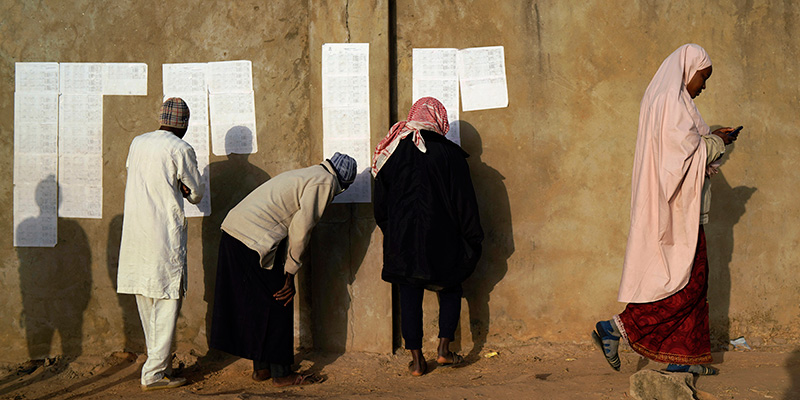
pixel 665 274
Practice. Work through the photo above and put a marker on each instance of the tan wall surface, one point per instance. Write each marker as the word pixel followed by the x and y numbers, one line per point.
pixel 552 171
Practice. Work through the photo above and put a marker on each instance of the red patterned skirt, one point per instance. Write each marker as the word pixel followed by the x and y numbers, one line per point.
pixel 675 329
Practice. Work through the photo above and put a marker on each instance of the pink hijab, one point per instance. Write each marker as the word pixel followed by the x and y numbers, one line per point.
pixel 668 173
pixel 426 114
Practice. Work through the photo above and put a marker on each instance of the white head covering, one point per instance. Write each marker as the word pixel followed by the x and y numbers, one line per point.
pixel 668 173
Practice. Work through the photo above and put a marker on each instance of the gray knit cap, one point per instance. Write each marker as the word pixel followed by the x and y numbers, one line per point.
pixel 345 167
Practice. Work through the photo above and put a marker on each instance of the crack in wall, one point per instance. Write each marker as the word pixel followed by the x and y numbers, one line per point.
pixel 347 19
pixel 351 315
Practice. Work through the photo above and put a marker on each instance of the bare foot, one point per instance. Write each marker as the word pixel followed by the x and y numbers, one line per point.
pixel 261 374
pixel 449 359
pixel 418 369
pixel 295 380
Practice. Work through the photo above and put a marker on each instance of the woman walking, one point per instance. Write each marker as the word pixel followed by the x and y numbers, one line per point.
pixel 665 274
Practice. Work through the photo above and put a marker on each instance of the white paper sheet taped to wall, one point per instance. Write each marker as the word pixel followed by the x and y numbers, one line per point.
pixel 81 78
pixel 35 219
pixel 231 105
pixel 345 112
pixel 183 79
pixel 35 154
pixel 233 123
pixel 80 155
pixel 188 81
pixel 125 79
pixel 36 77
pixel 197 137
pixel 435 74
pixel 482 74
pixel 230 77
pixel 64 135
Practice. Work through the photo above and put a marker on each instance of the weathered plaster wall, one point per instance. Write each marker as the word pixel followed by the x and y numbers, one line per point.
pixel 552 171
pixel 350 305
pixel 88 316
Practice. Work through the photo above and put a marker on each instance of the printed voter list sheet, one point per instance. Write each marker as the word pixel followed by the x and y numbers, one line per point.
pixel 81 78
pixel 197 137
pixel 35 154
pixel 482 74
pixel 80 155
pixel 360 190
pixel 80 127
pixel 231 106
pixel 230 77
pixel 233 123
pixel 189 82
pixel 203 208
pixel 80 185
pixel 35 220
pixel 184 79
pixel 345 112
pixel 125 79
pixel 435 74
pixel 36 77
pixel 36 124
pixel 79 200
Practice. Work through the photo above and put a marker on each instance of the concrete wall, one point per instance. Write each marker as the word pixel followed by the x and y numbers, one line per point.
pixel 552 171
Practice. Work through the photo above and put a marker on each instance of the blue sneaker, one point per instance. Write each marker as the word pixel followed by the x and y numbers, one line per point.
pixel 694 369
pixel 607 342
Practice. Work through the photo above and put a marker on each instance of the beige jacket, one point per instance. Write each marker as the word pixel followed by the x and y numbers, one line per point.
pixel 715 148
pixel 289 204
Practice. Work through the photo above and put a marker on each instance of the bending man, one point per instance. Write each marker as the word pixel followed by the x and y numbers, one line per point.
pixel 264 239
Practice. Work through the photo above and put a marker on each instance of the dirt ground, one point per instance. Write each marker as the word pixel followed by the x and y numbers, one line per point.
pixel 535 371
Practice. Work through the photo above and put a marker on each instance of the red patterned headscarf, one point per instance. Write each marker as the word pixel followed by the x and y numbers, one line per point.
pixel 426 114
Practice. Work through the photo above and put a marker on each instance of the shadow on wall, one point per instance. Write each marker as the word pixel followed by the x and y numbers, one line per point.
pixel 231 181
pixel 498 243
pixel 55 284
pixel 727 208
pixel 134 336
pixel 239 139
pixel 338 246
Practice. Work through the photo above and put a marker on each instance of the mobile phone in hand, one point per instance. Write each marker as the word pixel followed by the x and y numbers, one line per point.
pixel 735 132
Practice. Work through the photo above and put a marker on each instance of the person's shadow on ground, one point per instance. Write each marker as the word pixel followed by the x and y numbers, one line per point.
pixel 498 243
pixel 793 365
pixel 727 208
pixel 55 284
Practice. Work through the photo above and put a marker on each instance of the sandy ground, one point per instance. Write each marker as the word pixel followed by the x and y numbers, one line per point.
pixel 535 371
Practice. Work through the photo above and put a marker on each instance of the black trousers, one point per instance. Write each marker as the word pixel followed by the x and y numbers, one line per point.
pixel 411 313
pixel 248 322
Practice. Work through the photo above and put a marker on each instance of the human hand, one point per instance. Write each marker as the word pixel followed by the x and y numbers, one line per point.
pixel 287 292
pixel 184 190
pixel 723 133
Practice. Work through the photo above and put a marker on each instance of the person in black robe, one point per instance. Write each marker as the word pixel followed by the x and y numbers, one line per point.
pixel 426 208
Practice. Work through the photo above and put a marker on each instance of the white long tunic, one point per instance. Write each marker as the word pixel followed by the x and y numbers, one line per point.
pixel 152 256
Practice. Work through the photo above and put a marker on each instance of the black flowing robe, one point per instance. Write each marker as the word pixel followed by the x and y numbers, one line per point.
pixel 426 207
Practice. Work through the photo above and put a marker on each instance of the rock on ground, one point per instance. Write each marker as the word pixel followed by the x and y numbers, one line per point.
pixel 658 385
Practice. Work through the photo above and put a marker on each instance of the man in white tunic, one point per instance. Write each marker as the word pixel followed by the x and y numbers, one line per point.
pixel 162 170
